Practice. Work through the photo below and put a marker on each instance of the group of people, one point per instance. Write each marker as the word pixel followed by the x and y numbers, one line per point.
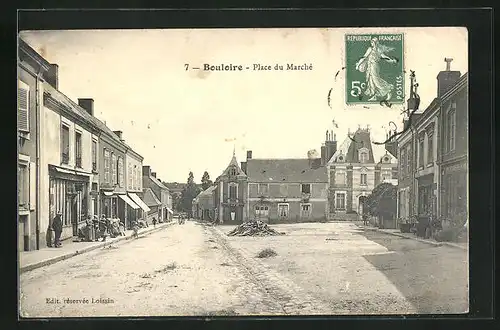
pixel 95 229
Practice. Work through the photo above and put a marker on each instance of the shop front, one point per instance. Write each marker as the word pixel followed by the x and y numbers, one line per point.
pixel 69 194
pixel 143 209
pixel 426 195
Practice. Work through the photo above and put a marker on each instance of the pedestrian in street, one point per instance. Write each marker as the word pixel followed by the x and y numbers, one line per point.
pixel 365 219
pixel 104 227
pixel 154 222
pixel 57 227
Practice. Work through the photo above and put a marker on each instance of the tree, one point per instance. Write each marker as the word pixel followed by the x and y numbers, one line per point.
pixel 205 181
pixel 176 201
pixel 189 192
pixel 382 201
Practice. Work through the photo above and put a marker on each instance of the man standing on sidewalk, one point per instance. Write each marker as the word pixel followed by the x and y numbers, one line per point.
pixel 57 226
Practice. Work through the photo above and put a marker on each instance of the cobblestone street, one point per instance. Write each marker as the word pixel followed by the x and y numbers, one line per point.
pixel 329 268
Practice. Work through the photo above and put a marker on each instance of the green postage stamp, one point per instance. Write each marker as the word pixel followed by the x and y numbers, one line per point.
pixel 374 68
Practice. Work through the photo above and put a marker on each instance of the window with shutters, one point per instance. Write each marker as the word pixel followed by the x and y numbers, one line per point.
pixel 64 144
pixel 408 160
pixel 121 181
pixel 130 178
pixel 451 129
pixel 78 149
pixel 23 186
pixel 114 168
pixel 23 105
pixel 107 166
pixel 421 151
pixel 430 149
pixel 94 155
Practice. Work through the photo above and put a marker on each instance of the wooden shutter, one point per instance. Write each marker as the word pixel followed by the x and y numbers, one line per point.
pixel 23 107
pixel 32 185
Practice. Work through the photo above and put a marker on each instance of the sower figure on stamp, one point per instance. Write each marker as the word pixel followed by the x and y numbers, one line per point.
pixel 57 226
pixel 376 86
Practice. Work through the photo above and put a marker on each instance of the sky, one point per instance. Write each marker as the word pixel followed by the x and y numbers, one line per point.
pixel 191 120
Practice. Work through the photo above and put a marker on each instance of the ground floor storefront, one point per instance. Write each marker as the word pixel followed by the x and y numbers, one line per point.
pixel 128 207
pixel 454 190
pixel 69 193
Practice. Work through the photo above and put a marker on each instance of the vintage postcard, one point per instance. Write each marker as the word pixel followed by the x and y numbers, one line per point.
pixel 224 172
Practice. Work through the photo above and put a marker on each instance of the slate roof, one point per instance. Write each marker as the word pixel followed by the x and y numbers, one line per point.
pixel 158 182
pixel 342 150
pixel 234 163
pixel 150 198
pixel 286 170
pixel 82 113
pixel 361 139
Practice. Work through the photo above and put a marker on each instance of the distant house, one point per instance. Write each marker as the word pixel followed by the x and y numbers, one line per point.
pixel 203 204
pixel 153 203
pixel 149 180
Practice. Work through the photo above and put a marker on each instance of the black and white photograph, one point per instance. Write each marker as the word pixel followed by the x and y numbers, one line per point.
pixel 243 172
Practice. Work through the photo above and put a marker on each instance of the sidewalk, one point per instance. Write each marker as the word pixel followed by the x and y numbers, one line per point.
pixel 397 232
pixel 30 260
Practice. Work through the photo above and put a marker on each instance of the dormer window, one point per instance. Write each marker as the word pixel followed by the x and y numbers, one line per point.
pixel 340 158
pixel 386 159
pixel 363 156
pixel 232 171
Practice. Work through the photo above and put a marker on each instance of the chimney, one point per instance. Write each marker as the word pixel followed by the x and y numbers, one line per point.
pixel 153 174
pixel 88 105
pixel 244 167
pixel 146 170
pixel 446 79
pixel 323 155
pixel 331 148
pixel 52 76
pixel 249 154
pixel 119 134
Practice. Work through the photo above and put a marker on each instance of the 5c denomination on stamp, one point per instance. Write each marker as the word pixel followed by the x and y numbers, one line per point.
pixel 374 68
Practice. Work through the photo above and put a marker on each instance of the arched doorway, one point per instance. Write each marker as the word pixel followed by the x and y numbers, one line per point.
pixel 361 204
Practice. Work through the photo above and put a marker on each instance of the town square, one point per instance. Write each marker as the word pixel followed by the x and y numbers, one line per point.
pixel 150 186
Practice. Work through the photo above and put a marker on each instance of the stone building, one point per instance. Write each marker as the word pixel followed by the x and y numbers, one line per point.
pixel 354 171
pixel 231 194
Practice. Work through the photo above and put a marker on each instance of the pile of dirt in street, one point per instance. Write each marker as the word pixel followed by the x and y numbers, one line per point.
pixel 254 228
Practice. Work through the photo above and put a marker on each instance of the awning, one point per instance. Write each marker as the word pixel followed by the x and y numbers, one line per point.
pixel 129 201
pixel 139 202
pixel 170 211
pixel 70 171
pixel 107 193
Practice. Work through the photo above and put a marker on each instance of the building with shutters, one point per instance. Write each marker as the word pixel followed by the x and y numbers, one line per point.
pixel 433 153
pixel 32 72
pixel 69 161
pixel 453 146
